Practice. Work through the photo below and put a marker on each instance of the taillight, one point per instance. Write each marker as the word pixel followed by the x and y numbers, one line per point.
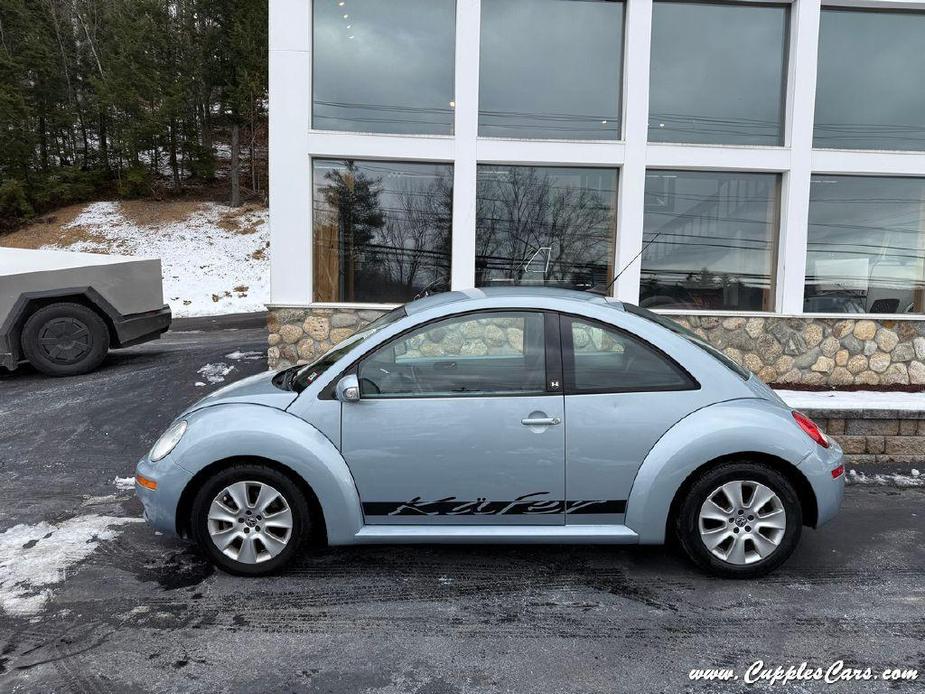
pixel 811 428
pixel 838 472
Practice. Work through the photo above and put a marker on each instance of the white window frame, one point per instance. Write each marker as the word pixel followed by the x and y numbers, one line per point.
pixel 294 144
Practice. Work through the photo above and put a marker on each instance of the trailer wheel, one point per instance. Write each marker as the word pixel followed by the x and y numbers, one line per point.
pixel 65 339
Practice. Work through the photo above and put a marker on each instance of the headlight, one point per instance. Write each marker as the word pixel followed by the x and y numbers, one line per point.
pixel 168 440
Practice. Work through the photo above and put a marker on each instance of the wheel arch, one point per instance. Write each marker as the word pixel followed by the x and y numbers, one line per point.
pixel 226 433
pixel 745 429
pixel 30 302
pixel 187 496
pixel 790 472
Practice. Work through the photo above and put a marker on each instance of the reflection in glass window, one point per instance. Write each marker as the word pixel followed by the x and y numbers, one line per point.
pixel 381 230
pixel 870 92
pixel 717 73
pixel 602 359
pixel 384 67
pixel 488 353
pixel 544 226
pixel 551 69
pixel 866 245
pixel 709 239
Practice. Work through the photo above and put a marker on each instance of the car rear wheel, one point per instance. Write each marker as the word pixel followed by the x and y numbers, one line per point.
pixel 65 339
pixel 250 520
pixel 740 520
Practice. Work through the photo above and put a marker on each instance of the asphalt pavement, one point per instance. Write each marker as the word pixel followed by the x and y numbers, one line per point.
pixel 93 601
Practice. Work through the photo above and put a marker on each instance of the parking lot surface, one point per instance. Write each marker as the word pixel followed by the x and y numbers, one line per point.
pixel 91 600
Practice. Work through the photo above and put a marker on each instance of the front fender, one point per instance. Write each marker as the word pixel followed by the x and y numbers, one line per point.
pixel 242 430
pixel 727 428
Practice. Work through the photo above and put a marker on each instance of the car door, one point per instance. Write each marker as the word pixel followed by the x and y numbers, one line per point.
pixel 461 421
pixel 622 394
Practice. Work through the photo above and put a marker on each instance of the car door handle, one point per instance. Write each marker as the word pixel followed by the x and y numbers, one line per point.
pixel 540 421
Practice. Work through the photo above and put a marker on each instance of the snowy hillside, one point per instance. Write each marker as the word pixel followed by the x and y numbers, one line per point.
pixel 215 258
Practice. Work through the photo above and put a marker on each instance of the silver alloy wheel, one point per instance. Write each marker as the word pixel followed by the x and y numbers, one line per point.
pixel 742 522
pixel 249 521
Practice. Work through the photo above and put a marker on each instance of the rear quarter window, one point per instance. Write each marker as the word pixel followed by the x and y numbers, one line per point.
pixel 691 337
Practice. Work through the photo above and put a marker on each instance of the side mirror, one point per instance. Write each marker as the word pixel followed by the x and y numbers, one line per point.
pixel 348 389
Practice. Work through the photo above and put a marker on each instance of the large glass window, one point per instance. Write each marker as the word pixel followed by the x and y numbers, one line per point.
pixel 551 69
pixel 384 67
pixel 491 353
pixel 381 230
pixel 866 245
pixel 717 73
pixel 709 239
pixel 545 226
pixel 870 86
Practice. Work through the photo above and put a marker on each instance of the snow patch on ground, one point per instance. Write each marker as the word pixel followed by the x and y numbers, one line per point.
pixel 887 480
pixel 214 373
pixel 857 400
pixel 35 557
pixel 245 356
pixel 124 483
pixel 208 269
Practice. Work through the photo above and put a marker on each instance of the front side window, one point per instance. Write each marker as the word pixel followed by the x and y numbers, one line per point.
pixel 496 353
pixel 869 88
pixel 718 72
pixel 601 359
pixel 709 240
pixel 545 226
pixel 384 67
pixel 865 245
pixel 551 69
pixel 381 230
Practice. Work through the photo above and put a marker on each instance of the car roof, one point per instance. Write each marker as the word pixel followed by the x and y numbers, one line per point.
pixel 518 293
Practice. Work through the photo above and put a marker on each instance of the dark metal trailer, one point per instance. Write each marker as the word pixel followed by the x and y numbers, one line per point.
pixel 63 311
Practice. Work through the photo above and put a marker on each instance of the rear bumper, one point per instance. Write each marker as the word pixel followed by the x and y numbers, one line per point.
pixel 136 328
pixel 829 491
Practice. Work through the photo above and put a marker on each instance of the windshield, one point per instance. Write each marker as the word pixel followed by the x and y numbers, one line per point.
pixel 301 377
pixel 690 336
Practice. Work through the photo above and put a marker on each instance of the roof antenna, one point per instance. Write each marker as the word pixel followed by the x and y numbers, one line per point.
pixel 604 291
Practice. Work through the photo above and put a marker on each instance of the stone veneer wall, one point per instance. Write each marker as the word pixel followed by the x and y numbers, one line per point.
pixel 819 351
pixel 301 335
pixel 876 436
pixel 781 350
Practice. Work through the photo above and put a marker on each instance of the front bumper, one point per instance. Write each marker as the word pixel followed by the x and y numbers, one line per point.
pixel 136 328
pixel 829 491
pixel 161 504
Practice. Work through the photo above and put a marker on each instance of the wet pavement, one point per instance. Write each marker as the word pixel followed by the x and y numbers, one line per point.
pixel 113 607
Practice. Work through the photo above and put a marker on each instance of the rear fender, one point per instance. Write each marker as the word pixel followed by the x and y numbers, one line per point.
pixel 724 429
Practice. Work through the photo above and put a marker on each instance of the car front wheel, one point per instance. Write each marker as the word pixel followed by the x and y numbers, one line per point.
pixel 740 520
pixel 250 520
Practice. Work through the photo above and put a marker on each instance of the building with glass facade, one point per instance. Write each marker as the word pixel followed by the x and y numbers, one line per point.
pixel 754 169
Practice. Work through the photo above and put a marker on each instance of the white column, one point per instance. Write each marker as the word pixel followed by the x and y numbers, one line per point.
pixel 801 101
pixel 290 167
pixel 468 15
pixel 635 128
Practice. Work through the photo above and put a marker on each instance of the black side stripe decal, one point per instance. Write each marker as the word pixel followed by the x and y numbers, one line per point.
pixel 529 504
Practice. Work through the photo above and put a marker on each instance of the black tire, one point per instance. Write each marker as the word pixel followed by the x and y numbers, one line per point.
pixel 65 339
pixel 294 498
pixel 687 522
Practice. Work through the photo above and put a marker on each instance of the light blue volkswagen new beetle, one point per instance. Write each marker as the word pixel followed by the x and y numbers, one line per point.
pixel 503 416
